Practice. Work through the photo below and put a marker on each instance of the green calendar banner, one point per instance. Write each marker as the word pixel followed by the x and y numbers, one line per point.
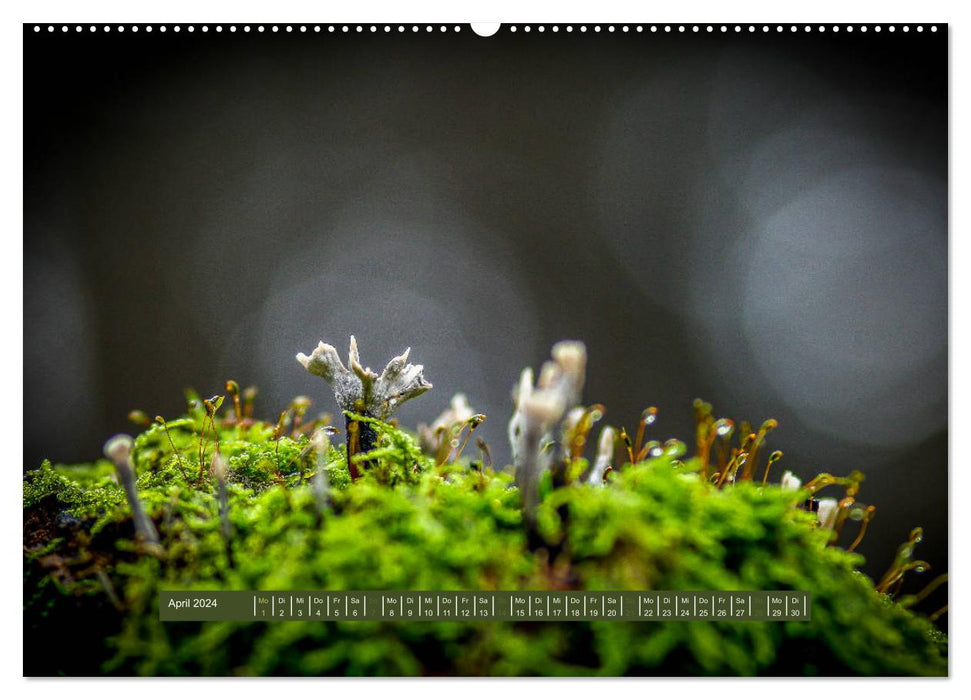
pixel 534 606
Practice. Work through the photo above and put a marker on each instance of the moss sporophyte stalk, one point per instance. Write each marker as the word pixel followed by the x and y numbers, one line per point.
pixel 218 499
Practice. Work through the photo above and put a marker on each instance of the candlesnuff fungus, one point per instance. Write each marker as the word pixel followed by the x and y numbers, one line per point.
pixel 790 482
pixel 458 412
pixel 118 450
pixel 362 391
pixel 605 454
pixel 641 531
pixel 826 513
pixel 443 438
pixel 220 470
pixel 538 411
pixel 321 487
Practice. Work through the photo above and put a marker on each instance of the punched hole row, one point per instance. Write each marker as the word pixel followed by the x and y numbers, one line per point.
pixel 428 28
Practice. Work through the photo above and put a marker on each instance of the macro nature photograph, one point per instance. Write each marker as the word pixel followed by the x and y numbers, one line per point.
pixel 372 328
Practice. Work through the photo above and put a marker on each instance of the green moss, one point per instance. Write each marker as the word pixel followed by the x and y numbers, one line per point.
pixel 82 490
pixel 409 524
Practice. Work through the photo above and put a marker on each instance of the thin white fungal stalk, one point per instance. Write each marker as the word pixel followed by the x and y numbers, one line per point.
pixel 790 482
pixel 605 455
pixel 321 485
pixel 539 412
pixel 220 470
pixel 826 513
pixel 517 424
pixel 457 414
pixel 118 450
pixel 568 429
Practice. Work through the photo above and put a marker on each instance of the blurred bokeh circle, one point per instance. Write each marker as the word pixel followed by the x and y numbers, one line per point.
pixel 846 305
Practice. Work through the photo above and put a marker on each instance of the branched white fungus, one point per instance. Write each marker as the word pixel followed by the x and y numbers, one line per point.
pixel 539 411
pixel 360 389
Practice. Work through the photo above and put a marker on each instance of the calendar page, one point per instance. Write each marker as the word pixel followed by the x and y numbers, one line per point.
pixel 449 349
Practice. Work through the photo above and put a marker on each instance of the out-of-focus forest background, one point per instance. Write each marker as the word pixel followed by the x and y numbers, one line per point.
pixel 756 219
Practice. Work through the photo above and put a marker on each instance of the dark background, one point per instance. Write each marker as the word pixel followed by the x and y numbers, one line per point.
pixel 756 219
